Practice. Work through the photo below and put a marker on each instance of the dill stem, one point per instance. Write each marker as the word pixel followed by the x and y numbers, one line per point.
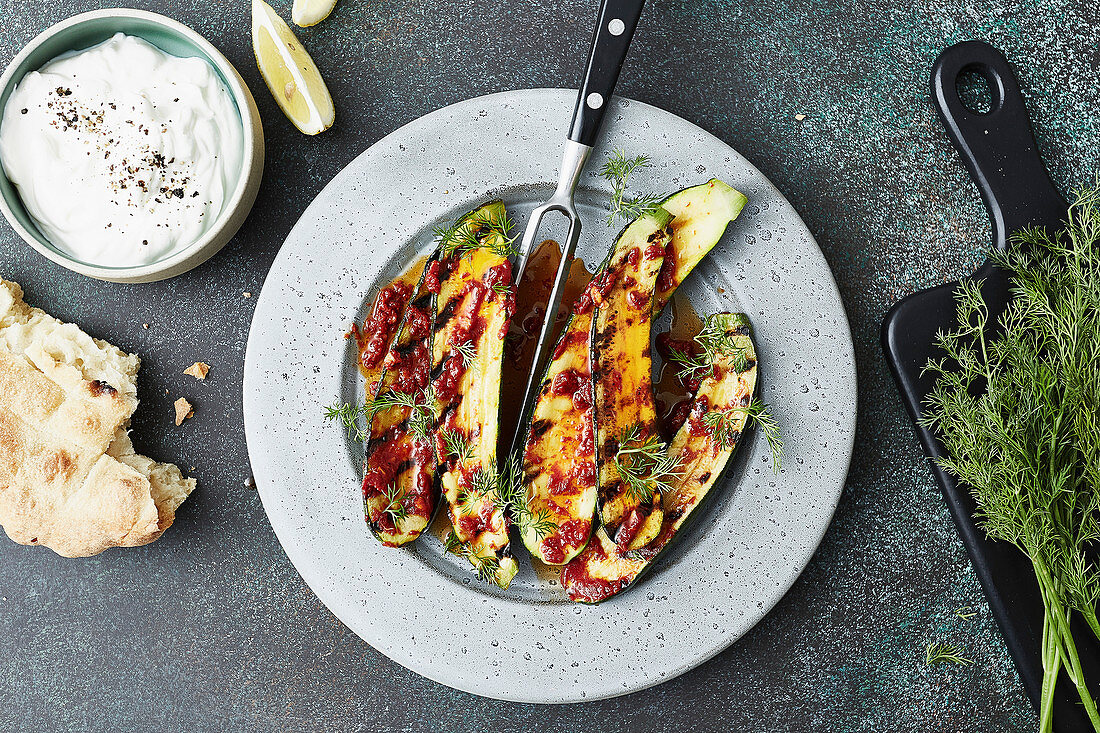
pixel 1052 661
pixel 1057 613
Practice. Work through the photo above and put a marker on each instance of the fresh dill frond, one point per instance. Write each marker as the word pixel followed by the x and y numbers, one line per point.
pixel 479 230
pixel 939 653
pixel 1015 403
pixel 455 446
pixel 421 416
pixel 713 342
pixel 541 524
pixel 453 545
pixel 617 170
pixel 348 416
pixel 966 613
pixel 467 351
pixel 395 504
pixel 487 567
pixel 724 424
pixel 631 208
pixel 644 465
pixel 482 484
pixel 512 498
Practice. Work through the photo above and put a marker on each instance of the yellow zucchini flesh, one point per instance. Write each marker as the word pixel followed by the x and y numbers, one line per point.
pixel 622 378
pixel 559 457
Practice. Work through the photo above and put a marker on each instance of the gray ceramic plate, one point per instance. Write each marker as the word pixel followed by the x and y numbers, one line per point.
pixel 420 606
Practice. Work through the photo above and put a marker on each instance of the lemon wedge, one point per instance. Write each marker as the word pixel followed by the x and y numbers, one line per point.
pixel 289 72
pixel 311 12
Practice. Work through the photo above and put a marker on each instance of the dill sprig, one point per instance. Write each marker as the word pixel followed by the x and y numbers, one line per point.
pixel 966 613
pixel 1016 405
pixel 506 489
pixel 714 342
pixel 348 414
pixel 477 231
pixel 727 431
pixel 421 419
pixel 512 493
pixel 455 446
pixel 395 504
pixel 482 483
pixel 939 653
pixel 487 567
pixel 500 288
pixel 618 170
pixel 467 351
pixel 644 465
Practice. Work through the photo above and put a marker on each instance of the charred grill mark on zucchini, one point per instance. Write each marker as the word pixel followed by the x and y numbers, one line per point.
pixel 603 569
pixel 474 306
pixel 398 465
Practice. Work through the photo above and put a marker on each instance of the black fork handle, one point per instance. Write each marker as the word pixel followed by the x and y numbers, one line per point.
pixel 615 27
pixel 998 146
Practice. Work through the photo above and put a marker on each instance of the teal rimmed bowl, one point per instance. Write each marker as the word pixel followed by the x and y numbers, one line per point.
pixel 89 29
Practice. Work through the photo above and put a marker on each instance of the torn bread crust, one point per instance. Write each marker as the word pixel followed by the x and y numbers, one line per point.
pixel 69 477
pixel 198 370
pixel 184 410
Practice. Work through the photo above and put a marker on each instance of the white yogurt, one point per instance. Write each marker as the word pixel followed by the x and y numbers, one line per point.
pixel 122 154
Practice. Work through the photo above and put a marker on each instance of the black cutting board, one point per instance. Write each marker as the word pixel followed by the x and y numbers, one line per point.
pixel 999 150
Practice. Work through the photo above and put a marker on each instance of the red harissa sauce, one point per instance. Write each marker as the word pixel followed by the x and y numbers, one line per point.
pixel 582 587
pixel 377 330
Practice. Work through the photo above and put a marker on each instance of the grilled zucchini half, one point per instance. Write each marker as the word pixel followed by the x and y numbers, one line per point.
pixel 702 447
pixel 559 454
pixel 399 498
pixel 622 379
pixel 473 310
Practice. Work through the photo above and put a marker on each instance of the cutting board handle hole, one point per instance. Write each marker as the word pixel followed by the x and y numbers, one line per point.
pixel 979 89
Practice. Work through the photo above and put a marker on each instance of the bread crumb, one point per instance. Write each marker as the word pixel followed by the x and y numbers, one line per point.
pixel 247 294
pixel 800 117
pixel 198 370
pixel 145 325
pixel 183 410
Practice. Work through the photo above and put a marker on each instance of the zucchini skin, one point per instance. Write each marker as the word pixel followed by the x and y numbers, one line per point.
pixel 558 457
pixel 701 215
pixel 622 375
pixel 470 313
pixel 603 569
pixel 393 456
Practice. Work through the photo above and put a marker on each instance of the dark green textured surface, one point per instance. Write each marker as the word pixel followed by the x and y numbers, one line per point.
pixel 212 629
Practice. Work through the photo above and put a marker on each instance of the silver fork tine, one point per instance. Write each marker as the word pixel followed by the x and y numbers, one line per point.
pixel 572 164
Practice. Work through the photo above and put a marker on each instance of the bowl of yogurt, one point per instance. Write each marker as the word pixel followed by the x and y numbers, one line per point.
pixel 131 149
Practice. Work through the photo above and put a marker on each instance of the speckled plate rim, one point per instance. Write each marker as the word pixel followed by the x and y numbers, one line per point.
pixel 762 533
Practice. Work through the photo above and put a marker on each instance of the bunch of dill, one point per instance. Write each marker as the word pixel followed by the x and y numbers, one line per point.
pixel 1016 404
